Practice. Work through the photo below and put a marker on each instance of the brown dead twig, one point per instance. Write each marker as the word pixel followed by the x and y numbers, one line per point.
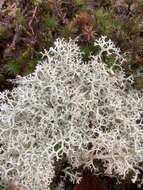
pixel 18 30
pixel 11 47
pixel 59 12
pixel 32 19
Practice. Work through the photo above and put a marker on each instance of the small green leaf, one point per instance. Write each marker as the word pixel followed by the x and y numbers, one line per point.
pixel 89 50
pixel 110 61
pixel 13 67
pixel 51 22
pixel 37 2
pixel 79 2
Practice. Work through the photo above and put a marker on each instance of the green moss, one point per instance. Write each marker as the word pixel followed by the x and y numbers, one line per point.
pixel 26 53
pixel 50 22
pixel 3 33
pixel 88 50
pixel 68 31
pixel 13 67
pixel 37 2
pixel 20 19
pixel 130 175
pixel 108 22
pixel 31 65
pixel 79 2
pixel 22 64
pixel 105 20
pixel 109 61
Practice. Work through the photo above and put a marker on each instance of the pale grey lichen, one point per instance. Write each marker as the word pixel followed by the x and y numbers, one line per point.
pixel 61 108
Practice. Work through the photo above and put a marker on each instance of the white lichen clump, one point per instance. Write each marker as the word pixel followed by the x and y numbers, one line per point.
pixel 64 106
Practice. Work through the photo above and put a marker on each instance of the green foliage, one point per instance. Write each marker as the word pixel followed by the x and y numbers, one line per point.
pixel 20 19
pixel 22 64
pixel 109 61
pixel 130 175
pixel 68 31
pixel 31 66
pixel 50 22
pixel 123 27
pixel 108 22
pixel 79 2
pixel 3 33
pixel 105 20
pixel 37 2
pixel 88 50
pixel 13 67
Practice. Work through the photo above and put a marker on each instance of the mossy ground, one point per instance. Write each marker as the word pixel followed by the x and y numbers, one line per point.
pixel 29 26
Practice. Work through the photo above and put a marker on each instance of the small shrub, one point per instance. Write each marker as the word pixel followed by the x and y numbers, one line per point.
pixel 50 22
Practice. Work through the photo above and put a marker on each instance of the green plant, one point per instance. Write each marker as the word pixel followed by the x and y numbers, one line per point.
pixel 13 67
pixel 37 2
pixel 105 20
pixel 31 65
pixel 50 22
pixel 3 33
pixel 20 19
pixel 89 49
pixel 68 31
pixel 110 61
pixel 23 63
pixel 79 2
